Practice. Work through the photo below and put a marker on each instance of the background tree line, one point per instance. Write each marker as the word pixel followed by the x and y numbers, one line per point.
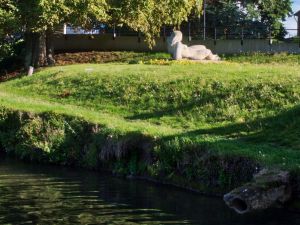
pixel 35 21
pixel 264 16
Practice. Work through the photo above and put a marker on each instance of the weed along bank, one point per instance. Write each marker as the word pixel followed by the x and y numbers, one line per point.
pixel 207 127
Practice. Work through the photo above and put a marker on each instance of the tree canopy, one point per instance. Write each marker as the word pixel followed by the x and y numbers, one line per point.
pixel 36 20
pixel 149 16
pixel 268 14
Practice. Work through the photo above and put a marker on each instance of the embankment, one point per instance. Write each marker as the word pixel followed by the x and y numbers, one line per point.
pixel 65 140
pixel 203 127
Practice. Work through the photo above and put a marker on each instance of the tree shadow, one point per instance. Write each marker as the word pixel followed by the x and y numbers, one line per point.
pixel 282 129
pixel 168 111
pixel 209 98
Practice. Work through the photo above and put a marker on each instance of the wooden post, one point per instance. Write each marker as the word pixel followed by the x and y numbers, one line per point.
pixel 242 37
pixel 139 37
pixel 189 27
pixel 204 20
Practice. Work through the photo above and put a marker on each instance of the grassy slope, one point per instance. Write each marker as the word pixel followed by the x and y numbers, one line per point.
pixel 242 109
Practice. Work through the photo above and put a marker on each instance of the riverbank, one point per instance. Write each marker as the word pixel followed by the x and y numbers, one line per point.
pixel 207 127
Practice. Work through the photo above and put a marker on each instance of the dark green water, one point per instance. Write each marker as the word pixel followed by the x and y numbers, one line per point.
pixel 35 194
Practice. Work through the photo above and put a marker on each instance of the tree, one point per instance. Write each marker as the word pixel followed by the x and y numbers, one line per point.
pixel 263 14
pixel 38 19
pixel 149 16
pixel 8 24
pixel 273 12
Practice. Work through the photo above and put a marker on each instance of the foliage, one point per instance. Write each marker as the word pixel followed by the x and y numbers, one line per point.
pixel 145 16
pixel 149 16
pixel 262 16
pixel 42 15
pixel 8 18
pixel 11 56
pixel 273 12
pixel 8 26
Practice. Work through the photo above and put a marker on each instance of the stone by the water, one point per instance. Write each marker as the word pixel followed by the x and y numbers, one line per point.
pixel 269 188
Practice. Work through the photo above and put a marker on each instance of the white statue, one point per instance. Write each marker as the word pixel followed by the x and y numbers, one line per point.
pixel 195 52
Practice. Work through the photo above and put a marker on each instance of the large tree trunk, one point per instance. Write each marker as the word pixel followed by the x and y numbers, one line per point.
pixel 50 47
pixel 38 58
pixel 28 49
pixel 39 49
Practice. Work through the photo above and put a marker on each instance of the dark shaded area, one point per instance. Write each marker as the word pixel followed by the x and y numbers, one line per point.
pixel 239 204
pixel 11 62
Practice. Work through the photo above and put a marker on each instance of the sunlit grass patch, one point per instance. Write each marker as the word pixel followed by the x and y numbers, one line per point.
pixel 234 108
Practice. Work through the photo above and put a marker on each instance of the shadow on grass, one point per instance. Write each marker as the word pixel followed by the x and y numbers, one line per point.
pixel 280 130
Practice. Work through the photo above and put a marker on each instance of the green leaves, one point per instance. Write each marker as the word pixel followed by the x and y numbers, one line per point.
pixel 85 13
pixel 42 15
pixel 146 16
pixel 150 15
pixel 8 20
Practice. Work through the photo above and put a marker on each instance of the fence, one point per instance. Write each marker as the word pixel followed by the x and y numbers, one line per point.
pixel 221 40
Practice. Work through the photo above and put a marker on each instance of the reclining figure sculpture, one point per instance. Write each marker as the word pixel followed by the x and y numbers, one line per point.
pixel 178 50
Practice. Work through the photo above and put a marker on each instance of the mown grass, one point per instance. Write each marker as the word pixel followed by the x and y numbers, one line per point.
pixel 242 109
pixel 264 58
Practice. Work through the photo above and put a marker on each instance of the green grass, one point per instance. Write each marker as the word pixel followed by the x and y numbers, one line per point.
pixel 242 109
pixel 264 58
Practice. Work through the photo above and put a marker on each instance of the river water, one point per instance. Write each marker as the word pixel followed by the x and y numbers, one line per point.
pixel 39 194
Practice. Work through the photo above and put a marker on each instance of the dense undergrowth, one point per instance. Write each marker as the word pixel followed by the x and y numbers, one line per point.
pixel 214 123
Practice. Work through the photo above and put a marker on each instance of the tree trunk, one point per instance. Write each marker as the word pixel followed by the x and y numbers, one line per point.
pixel 41 50
pixel 35 50
pixel 50 47
pixel 28 50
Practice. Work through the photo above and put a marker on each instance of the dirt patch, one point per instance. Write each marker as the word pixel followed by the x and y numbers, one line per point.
pixel 9 76
pixel 93 57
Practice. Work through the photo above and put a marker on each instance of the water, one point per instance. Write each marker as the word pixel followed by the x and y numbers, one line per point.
pixel 36 194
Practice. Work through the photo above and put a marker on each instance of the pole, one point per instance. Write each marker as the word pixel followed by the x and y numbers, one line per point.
pixel 189 27
pixel 204 19
pixel 215 39
pixel 165 35
pixel 242 36
pixel 114 32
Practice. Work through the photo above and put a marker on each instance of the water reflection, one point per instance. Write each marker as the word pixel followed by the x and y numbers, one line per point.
pixel 36 194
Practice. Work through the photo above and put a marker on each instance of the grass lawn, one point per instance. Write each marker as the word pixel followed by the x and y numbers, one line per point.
pixel 245 109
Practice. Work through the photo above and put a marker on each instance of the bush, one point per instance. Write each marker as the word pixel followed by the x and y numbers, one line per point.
pixel 11 56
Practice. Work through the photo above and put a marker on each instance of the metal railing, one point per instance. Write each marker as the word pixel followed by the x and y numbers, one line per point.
pixel 198 33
